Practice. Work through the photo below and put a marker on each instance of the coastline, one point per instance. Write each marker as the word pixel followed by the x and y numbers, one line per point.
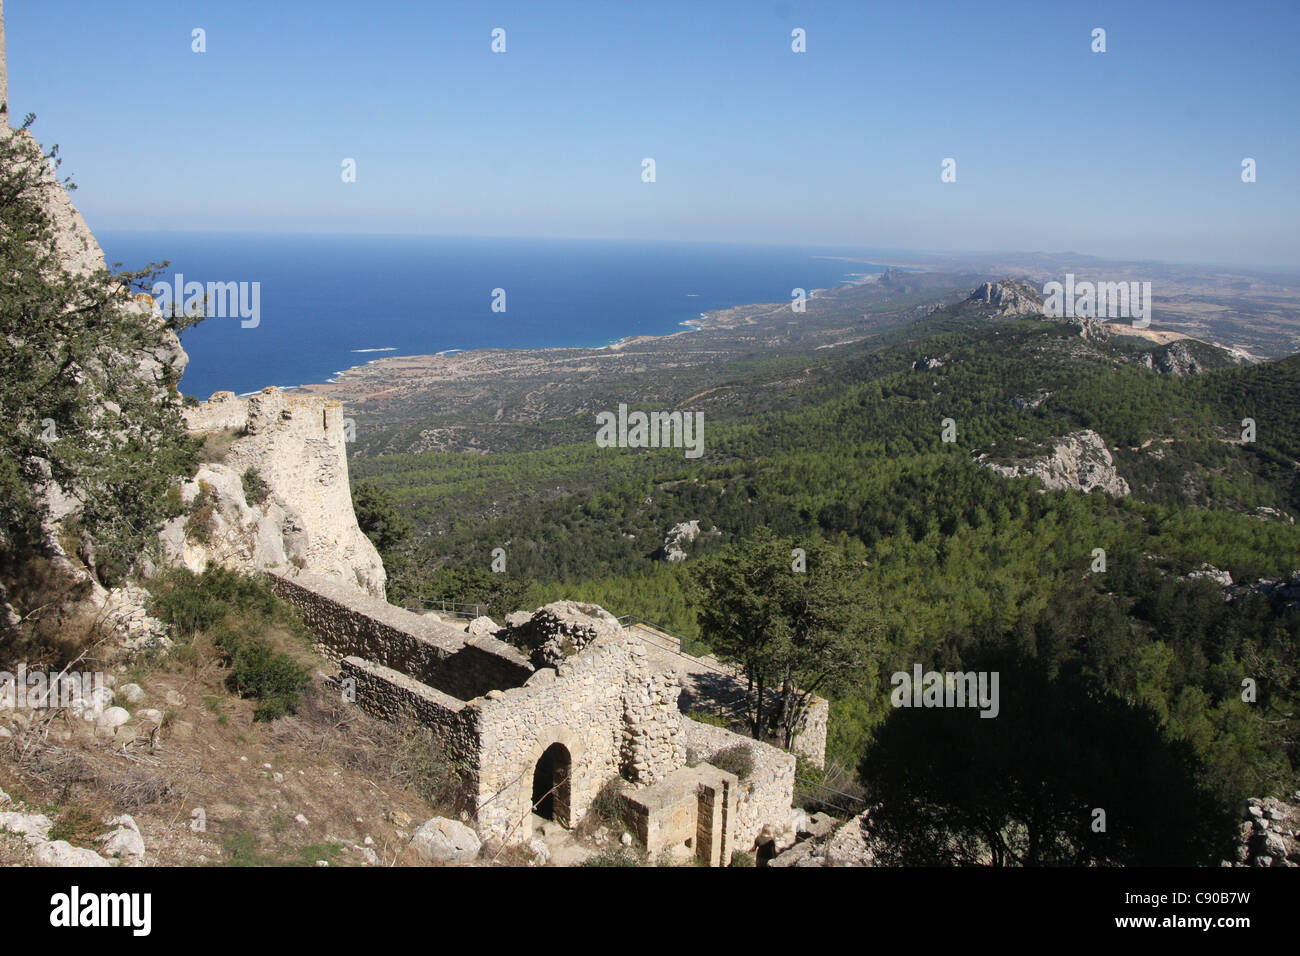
pixel 453 364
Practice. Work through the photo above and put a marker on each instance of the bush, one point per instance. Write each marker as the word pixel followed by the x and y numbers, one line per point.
pixel 256 490
pixel 199 602
pixel 738 760
pixel 201 523
pixel 606 807
pixel 243 615
pixel 69 354
pixel 273 678
pixel 617 855
pixel 418 759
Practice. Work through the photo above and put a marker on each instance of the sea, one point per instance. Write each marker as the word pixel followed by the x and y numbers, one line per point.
pixel 327 303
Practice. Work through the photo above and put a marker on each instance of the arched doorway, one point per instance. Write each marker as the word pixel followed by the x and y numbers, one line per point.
pixel 551 784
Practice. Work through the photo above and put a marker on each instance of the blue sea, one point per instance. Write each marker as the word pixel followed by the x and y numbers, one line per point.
pixel 329 303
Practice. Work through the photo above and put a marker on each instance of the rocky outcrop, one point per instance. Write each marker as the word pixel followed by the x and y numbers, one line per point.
pixel 1177 359
pixel 1212 574
pixel 555 632
pixel 1008 297
pixel 1079 461
pixel 679 534
pixel 1283 595
pixel 844 845
pixel 295 445
pixel 1269 834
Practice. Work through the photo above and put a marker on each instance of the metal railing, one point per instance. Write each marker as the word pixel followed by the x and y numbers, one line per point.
pixel 458 608
pixel 689 646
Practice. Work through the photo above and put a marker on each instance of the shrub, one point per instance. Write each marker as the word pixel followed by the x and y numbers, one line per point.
pixel 243 615
pixel 276 680
pixel 738 760
pixel 617 855
pixel 69 354
pixel 606 807
pixel 197 602
pixel 256 490
pixel 201 523
pixel 416 757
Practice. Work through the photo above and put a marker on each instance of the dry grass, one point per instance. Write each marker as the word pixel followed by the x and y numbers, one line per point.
pixel 57 626
pixel 216 444
pixel 350 775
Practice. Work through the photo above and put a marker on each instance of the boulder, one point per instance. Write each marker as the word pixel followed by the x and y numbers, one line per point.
pixel 440 840
pixel 112 718
pixel 482 627
pixel 34 826
pixel 541 852
pixel 62 853
pixel 124 841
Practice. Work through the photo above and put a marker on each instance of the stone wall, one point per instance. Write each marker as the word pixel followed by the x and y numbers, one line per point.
pixel 386 693
pixel 688 815
pixel 348 623
pixel 222 410
pixel 652 745
pixel 809 737
pixel 560 733
pixel 764 797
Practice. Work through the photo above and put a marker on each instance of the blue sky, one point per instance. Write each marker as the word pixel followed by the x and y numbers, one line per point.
pixel 1134 152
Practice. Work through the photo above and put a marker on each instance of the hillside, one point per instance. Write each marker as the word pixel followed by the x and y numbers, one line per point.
pixel 846 445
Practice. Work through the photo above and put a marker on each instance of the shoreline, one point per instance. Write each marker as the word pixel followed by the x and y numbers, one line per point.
pixel 449 359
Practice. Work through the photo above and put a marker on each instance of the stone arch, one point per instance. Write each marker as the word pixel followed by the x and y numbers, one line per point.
pixel 551 768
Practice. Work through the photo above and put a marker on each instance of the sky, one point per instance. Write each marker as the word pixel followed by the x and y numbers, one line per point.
pixel 1135 152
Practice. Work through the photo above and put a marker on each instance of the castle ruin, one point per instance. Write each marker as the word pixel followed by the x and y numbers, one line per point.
pixel 541 716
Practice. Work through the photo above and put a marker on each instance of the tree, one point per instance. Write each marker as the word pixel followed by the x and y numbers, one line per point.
pixel 1025 788
pixel 802 631
pixel 379 519
pixel 88 395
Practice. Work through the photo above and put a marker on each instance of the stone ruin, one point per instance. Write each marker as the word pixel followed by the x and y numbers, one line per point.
pixel 541 715
pixel 295 444
pixel 544 741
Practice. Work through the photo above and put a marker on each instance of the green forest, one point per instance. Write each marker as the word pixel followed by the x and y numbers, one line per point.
pixel 950 562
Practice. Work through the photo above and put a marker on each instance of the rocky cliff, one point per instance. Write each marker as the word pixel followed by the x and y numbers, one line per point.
pixel 1009 297
pixel 1079 461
